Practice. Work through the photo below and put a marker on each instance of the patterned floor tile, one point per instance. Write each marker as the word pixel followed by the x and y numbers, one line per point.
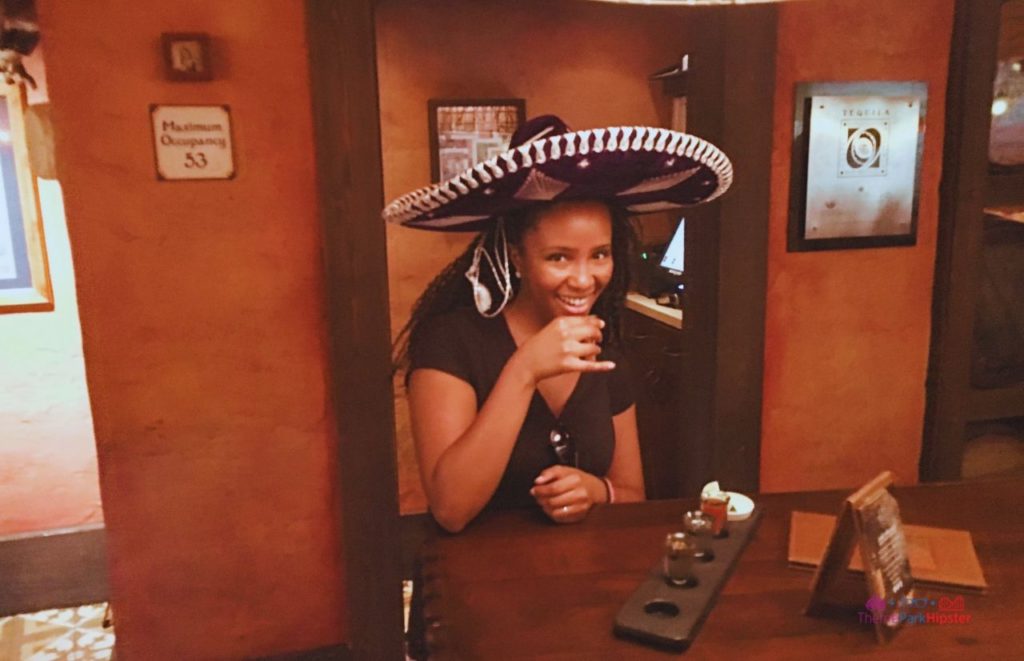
pixel 60 634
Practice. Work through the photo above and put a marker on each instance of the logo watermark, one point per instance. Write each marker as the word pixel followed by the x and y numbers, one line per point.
pixel 914 610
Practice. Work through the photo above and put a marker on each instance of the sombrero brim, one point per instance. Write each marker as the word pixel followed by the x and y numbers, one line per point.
pixel 642 169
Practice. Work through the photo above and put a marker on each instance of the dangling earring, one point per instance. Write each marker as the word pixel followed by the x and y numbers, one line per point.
pixel 499 268
pixel 481 296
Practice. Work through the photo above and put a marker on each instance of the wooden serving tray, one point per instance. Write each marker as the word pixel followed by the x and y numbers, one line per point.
pixel 665 615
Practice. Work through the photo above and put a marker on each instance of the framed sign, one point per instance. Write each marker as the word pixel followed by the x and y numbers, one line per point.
pixel 24 269
pixel 869 521
pixel 186 56
pixel 856 165
pixel 464 132
pixel 192 142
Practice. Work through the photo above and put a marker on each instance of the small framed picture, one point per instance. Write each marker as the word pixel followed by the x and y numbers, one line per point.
pixel 464 132
pixel 186 56
pixel 856 165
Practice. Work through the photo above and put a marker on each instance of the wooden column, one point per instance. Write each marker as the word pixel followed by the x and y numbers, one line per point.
pixel 730 104
pixel 962 194
pixel 350 186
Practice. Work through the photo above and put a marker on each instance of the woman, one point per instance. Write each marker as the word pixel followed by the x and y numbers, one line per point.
pixel 523 401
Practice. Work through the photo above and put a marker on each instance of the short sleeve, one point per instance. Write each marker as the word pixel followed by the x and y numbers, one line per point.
pixel 620 392
pixel 440 344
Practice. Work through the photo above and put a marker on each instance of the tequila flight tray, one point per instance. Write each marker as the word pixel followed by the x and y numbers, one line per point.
pixel 670 616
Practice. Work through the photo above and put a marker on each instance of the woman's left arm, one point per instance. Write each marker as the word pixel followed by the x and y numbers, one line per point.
pixel 626 472
pixel 566 494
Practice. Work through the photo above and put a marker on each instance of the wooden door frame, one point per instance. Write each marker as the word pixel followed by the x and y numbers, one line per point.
pixel 350 184
pixel 965 190
pixel 350 189
pixel 732 82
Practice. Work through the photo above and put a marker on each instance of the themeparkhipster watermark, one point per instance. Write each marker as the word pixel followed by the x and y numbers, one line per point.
pixel 910 610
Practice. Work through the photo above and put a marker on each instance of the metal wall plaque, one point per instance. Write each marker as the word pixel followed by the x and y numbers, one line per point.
pixel 192 142
pixel 857 159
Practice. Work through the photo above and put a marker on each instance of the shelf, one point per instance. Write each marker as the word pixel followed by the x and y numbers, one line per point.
pixel 1009 213
pixel 649 308
pixel 995 403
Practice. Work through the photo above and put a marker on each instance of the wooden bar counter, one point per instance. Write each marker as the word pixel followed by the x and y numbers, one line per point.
pixel 514 586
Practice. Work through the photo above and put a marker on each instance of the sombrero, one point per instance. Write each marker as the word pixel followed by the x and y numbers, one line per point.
pixel 641 168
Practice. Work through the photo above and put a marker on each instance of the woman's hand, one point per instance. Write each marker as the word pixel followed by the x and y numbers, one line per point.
pixel 566 344
pixel 566 494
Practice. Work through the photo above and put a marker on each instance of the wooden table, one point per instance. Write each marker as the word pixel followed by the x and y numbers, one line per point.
pixel 513 586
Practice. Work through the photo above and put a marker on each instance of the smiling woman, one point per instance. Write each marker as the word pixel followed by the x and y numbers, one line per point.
pixel 496 393
pixel 517 393
pixel 486 391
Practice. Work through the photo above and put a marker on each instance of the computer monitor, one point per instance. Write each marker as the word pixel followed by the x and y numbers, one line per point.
pixel 672 260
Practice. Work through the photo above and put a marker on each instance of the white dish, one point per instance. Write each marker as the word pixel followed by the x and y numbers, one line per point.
pixel 740 506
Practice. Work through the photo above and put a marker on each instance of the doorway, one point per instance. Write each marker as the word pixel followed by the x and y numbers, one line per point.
pixel 50 503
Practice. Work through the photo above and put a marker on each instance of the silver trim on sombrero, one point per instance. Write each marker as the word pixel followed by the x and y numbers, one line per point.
pixel 566 145
pixel 539 186
pixel 660 183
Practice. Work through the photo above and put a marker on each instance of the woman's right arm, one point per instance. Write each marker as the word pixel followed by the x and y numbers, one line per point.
pixel 463 452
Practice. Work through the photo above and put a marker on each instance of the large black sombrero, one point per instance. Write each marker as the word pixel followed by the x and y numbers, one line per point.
pixel 640 168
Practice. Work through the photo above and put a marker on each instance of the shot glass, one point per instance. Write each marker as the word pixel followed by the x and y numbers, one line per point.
pixel 699 526
pixel 677 566
pixel 716 505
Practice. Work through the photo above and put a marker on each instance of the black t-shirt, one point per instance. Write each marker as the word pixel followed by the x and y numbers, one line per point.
pixel 475 349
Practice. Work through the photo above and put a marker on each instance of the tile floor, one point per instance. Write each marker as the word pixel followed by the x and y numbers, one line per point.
pixel 73 634
pixel 59 634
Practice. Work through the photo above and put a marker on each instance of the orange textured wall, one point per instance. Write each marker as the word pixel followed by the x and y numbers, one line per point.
pixel 586 62
pixel 201 308
pixel 847 332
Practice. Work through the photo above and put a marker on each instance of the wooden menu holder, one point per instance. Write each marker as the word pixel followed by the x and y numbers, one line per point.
pixel 869 519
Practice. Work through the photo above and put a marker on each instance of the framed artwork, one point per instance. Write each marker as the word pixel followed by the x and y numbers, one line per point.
pixel 186 56
pixel 856 166
pixel 464 132
pixel 24 270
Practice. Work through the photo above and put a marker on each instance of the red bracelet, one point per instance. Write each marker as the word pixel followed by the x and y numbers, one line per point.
pixel 611 490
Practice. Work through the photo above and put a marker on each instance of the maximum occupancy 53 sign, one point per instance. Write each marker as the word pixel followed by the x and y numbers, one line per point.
pixel 192 142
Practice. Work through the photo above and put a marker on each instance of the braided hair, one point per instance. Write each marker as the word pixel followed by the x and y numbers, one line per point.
pixel 450 290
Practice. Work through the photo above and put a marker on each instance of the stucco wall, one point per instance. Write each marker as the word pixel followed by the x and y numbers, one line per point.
pixel 201 308
pixel 847 331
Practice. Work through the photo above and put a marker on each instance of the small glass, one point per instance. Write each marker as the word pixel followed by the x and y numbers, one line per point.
pixel 680 551
pixel 699 526
pixel 716 505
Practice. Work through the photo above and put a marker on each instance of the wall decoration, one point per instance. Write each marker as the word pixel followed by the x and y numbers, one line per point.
pixel 464 132
pixel 856 166
pixel 24 269
pixel 192 142
pixel 186 56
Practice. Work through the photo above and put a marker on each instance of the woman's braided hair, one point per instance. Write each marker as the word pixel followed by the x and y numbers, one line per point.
pixel 450 290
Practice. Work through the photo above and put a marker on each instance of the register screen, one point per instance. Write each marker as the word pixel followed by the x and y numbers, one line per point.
pixel 673 259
